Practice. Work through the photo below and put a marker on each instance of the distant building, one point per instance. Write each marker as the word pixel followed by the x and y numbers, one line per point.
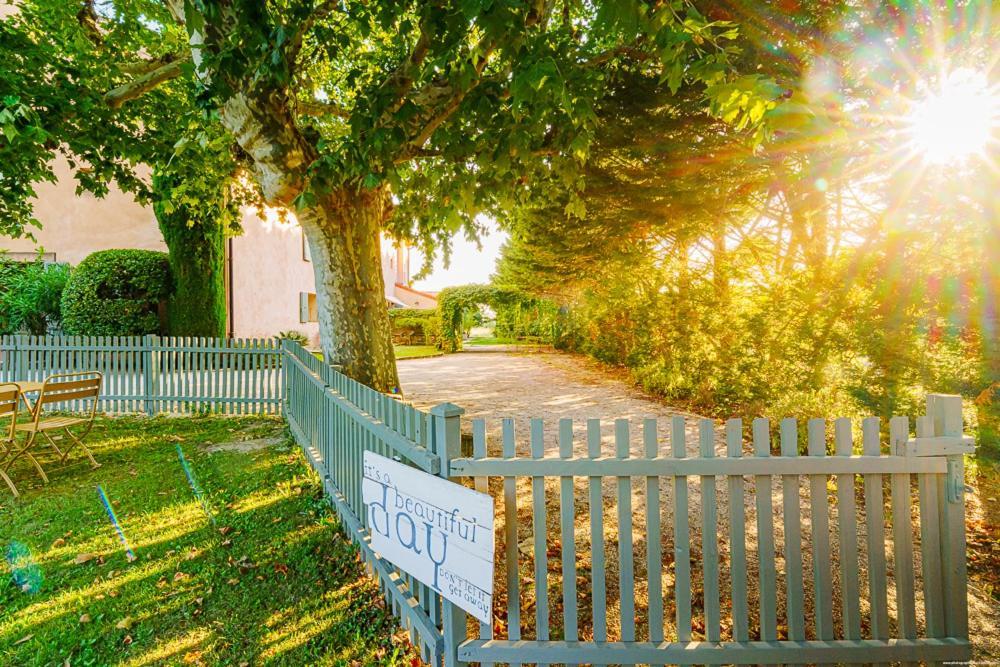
pixel 269 276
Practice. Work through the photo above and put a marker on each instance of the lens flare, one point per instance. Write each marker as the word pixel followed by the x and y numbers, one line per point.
pixel 956 120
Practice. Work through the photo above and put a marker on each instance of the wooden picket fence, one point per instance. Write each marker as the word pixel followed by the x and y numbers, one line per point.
pixel 667 550
pixel 153 374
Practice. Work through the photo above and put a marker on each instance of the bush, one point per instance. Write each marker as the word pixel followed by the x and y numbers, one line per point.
pixel 30 297
pixel 117 293
pixel 412 326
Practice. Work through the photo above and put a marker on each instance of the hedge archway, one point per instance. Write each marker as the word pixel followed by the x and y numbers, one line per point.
pixel 454 301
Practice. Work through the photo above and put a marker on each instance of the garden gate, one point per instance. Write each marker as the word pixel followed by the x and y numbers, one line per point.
pixel 655 555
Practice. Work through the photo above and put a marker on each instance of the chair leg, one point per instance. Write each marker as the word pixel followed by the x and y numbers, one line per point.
pixel 13 489
pixel 54 445
pixel 41 472
pixel 86 450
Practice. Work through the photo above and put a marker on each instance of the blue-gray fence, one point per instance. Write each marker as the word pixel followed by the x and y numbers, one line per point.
pixel 153 374
pixel 689 549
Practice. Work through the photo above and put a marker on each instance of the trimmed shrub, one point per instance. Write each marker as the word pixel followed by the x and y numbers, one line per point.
pixel 117 293
pixel 415 326
pixel 30 296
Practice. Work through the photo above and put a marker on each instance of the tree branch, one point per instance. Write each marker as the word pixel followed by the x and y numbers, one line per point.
pixel 88 20
pixel 317 108
pixel 147 66
pixel 143 84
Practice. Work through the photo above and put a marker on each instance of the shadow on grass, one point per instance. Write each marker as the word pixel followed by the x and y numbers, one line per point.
pixel 275 582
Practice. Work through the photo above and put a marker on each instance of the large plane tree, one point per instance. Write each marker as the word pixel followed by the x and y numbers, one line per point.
pixel 413 117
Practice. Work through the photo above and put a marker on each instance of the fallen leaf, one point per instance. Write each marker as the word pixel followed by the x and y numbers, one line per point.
pixel 85 618
pixel 225 530
pixel 84 558
pixel 124 624
pixel 23 639
pixel 128 640
pixel 59 542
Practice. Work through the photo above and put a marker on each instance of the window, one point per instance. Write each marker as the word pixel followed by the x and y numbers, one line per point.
pixel 308 309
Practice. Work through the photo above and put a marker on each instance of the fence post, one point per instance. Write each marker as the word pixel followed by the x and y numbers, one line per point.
pixel 448 445
pixel 150 371
pixel 946 412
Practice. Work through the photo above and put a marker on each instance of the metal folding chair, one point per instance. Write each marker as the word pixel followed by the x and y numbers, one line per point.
pixel 79 387
pixel 10 399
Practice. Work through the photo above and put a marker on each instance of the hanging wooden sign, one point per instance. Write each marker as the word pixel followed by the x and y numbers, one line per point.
pixel 439 532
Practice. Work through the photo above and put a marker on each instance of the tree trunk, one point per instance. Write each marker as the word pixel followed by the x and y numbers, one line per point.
pixel 343 230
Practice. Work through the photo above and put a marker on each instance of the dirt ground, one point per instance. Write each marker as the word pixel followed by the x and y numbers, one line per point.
pixel 493 385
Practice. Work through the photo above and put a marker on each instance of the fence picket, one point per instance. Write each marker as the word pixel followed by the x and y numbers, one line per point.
pixel 510 537
pixel 902 535
pixel 597 575
pixel 540 530
pixel 930 540
pixel 875 535
pixel 482 486
pixel 626 563
pixel 654 548
pixel 792 518
pixel 709 537
pixel 765 535
pixel 567 537
pixel 847 522
pixel 820 516
pixel 682 536
pixel 737 535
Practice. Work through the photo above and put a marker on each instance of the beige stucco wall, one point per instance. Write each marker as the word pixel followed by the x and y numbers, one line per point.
pixel 73 226
pixel 269 272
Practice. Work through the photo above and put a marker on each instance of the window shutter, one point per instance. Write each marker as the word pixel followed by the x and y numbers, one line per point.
pixel 303 307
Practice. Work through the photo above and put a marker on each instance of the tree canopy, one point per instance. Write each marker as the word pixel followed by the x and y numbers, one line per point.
pixel 828 268
pixel 406 116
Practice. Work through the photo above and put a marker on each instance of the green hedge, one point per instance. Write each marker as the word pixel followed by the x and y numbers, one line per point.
pixel 415 326
pixel 30 295
pixel 117 293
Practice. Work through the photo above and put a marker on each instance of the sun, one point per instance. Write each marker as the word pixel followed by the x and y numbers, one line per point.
pixel 956 119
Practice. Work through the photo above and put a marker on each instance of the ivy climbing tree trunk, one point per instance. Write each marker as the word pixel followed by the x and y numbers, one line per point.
pixel 196 250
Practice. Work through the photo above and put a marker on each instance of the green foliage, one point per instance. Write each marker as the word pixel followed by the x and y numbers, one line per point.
pixel 30 296
pixel 416 325
pixel 800 279
pixel 518 313
pixel 117 293
pixel 294 337
pixel 63 58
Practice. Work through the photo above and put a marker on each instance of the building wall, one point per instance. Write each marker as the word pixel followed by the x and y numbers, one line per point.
pixel 73 226
pixel 415 298
pixel 270 273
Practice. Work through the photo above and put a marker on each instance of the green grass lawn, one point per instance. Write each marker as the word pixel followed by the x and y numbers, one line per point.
pixel 416 351
pixel 493 340
pixel 408 351
pixel 274 582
